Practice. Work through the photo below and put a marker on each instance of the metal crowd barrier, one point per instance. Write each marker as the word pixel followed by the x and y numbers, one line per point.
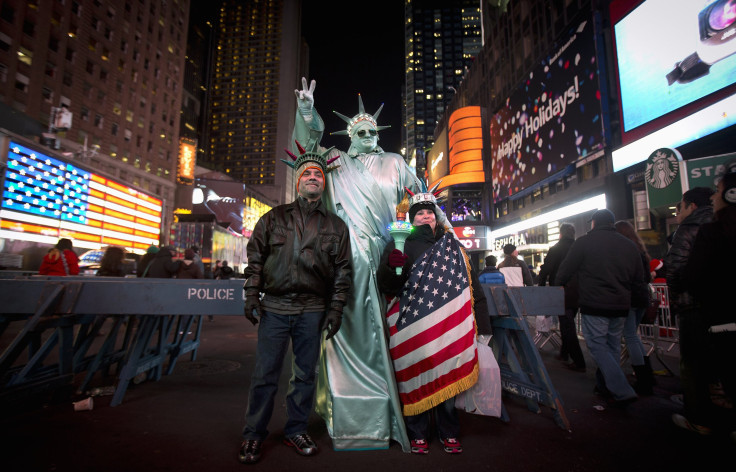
pixel 523 374
pixel 50 328
pixel 663 335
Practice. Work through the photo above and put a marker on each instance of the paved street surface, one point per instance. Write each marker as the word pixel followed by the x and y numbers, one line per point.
pixel 191 421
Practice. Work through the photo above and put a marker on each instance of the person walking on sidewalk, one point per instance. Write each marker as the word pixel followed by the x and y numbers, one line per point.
pixel 299 258
pixel 490 274
pixel 637 354
pixel 570 345
pixel 609 271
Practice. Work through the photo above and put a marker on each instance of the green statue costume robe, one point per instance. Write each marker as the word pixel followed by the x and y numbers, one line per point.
pixel 356 386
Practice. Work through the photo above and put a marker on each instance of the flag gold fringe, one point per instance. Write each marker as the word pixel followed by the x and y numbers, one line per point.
pixel 445 394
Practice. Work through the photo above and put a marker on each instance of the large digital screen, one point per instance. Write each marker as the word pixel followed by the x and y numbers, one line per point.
pixel 553 118
pixel 45 199
pixel 674 59
pixel 223 198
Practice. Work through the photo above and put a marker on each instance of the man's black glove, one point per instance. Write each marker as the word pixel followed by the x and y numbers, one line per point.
pixel 252 302
pixel 332 323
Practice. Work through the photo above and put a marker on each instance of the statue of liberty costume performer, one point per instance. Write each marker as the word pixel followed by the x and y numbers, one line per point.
pixel 356 388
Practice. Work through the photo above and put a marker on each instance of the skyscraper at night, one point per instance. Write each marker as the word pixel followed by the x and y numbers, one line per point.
pixel 252 106
pixel 441 40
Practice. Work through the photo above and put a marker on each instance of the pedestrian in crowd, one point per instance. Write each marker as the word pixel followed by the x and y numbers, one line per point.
pixel 60 260
pixel 144 264
pixel 224 272
pixel 429 238
pixel 362 411
pixel 511 259
pixel 637 354
pixel 609 271
pixel 490 274
pixel 708 276
pixel 570 348
pixel 696 371
pixel 299 258
pixel 111 264
pixel 163 265
pixel 188 268
pixel 197 258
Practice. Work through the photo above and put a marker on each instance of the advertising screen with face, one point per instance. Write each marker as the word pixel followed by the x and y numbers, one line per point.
pixel 676 70
pixel 671 53
pixel 553 118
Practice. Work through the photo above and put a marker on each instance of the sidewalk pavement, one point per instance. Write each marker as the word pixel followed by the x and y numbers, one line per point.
pixel 192 419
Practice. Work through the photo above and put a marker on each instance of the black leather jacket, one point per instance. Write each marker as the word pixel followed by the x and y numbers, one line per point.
pixel 682 243
pixel 299 256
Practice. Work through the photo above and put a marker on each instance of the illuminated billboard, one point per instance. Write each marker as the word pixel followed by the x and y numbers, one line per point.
pixel 45 199
pixel 553 118
pixel 465 147
pixel 438 159
pixel 223 198
pixel 187 161
pixel 676 72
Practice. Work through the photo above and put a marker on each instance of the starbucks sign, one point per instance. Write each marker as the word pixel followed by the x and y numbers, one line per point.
pixel 663 177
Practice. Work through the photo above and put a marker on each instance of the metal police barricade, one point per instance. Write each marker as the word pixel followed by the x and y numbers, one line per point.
pixel 663 333
pixel 523 373
pixel 154 322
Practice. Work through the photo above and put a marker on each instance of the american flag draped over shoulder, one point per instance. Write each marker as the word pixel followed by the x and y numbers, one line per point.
pixel 432 329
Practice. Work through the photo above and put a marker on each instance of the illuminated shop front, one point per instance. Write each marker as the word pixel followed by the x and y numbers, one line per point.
pixel 534 236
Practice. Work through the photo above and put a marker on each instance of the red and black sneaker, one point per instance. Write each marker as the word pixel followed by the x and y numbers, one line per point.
pixel 419 446
pixel 303 444
pixel 452 445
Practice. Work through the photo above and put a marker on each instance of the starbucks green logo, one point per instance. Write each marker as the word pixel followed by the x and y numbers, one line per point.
pixel 662 168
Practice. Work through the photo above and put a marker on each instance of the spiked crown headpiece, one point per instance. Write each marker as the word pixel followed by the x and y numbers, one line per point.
pixel 310 156
pixel 360 117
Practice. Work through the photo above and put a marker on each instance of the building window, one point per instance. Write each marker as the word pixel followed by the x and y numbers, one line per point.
pixel 25 55
pixel 114 129
pixel 99 121
pixel 84 114
pixel 21 82
pixel 67 79
pixel 5 42
pixel 7 13
pixel 29 27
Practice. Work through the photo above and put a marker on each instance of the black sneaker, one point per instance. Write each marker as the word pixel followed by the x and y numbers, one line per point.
pixel 303 444
pixel 250 451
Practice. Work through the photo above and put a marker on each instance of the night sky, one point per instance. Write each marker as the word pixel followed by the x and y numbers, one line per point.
pixel 360 53
pixel 347 60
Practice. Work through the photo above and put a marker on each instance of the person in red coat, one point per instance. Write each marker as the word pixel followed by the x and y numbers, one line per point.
pixel 60 260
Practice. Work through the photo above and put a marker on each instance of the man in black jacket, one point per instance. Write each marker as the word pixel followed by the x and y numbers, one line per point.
pixel 570 344
pixel 609 271
pixel 695 209
pixel 299 258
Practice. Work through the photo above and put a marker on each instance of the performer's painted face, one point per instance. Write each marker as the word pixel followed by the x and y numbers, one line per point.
pixel 311 184
pixel 364 138
pixel 425 217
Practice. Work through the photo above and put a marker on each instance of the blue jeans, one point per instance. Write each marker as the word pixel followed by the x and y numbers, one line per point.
pixel 603 338
pixel 274 333
pixel 631 336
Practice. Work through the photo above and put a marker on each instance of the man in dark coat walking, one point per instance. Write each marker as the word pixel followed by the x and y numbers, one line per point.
pixel 609 271
pixel 570 344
